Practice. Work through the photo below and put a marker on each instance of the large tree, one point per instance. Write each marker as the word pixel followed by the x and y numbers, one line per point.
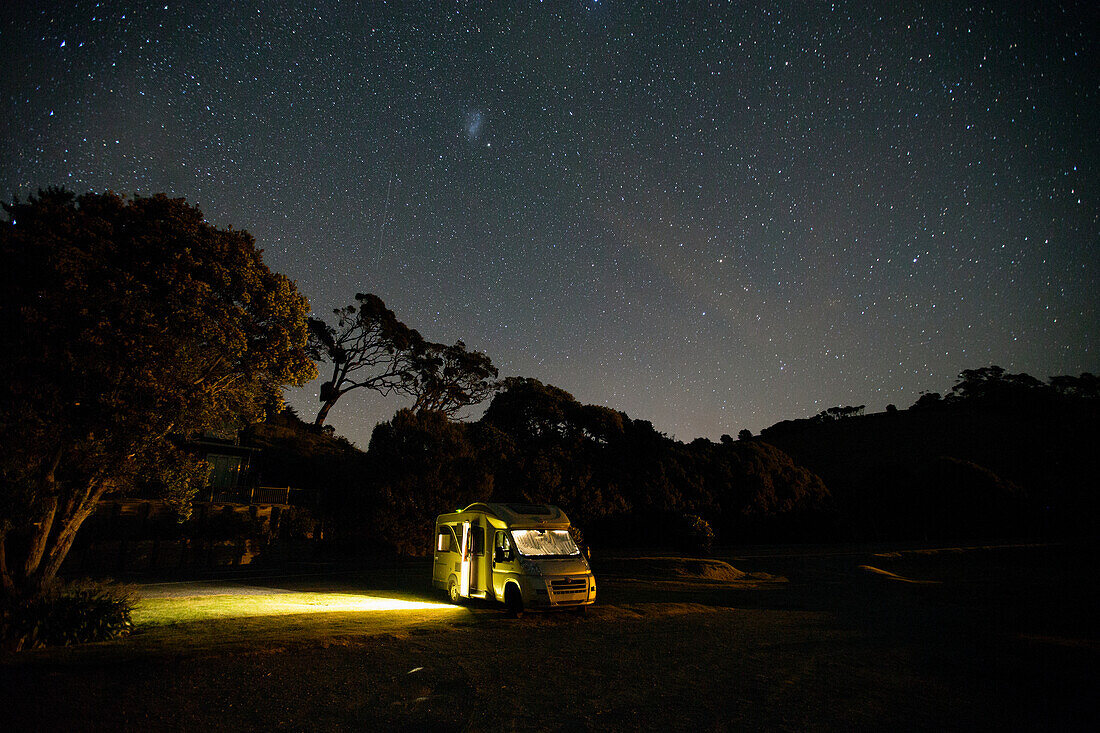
pixel 367 347
pixel 994 384
pixel 448 378
pixel 420 464
pixel 125 324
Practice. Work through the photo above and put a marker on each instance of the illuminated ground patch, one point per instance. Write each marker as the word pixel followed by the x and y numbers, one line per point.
pixel 894 576
pixel 160 611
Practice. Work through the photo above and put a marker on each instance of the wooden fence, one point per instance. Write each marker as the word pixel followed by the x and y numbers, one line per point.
pixel 275 495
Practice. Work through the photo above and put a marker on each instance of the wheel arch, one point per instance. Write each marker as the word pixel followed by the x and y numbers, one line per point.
pixel 452 581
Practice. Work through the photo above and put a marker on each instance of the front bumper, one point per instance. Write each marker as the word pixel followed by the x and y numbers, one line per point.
pixel 561 591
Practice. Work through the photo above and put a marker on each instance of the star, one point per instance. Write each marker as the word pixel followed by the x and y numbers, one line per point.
pixel 555 188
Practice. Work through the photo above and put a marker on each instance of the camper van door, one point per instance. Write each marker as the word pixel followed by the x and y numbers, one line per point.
pixel 467 556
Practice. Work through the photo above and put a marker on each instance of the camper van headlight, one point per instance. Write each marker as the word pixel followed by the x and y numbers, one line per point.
pixel 529 567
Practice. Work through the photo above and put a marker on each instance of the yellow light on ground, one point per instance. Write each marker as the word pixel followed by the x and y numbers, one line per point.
pixel 323 602
pixel 157 611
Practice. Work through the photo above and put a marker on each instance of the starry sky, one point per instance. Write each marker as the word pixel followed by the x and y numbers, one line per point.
pixel 711 216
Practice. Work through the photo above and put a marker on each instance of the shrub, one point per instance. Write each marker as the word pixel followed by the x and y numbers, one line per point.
pixel 76 613
pixel 696 534
pixel 577 535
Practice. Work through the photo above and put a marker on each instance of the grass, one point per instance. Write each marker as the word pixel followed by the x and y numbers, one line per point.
pixel 269 621
pixel 1006 640
pixel 196 609
pixel 203 618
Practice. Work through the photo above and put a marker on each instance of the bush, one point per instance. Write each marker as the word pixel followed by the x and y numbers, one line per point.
pixel 76 613
pixel 696 534
pixel 577 536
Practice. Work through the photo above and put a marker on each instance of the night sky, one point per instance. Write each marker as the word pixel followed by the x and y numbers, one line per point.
pixel 713 219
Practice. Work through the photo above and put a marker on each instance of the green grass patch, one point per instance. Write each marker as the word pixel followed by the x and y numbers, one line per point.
pixel 281 620
pixel 191 609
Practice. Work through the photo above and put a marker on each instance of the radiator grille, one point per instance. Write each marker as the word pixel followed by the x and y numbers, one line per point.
pixel 572 584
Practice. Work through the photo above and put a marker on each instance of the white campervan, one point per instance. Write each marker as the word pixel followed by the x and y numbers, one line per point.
pixel 519 554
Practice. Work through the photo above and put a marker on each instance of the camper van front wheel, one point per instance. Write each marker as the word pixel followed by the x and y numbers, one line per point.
pixel 513 601
pixel 452 591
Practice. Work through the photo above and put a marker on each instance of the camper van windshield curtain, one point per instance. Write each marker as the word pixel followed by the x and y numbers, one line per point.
pixel 532 542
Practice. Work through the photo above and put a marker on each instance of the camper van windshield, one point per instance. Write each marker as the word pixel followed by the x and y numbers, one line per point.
pixel 532 542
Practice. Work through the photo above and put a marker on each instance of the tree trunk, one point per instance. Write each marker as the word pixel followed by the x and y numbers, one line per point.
pixel 40 534
pixel 39 553
pixel 39 538
pixel 324 410
pixel 66 534
pixel 7 584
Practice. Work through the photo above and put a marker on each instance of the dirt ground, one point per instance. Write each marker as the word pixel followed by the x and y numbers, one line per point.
pixel 825 638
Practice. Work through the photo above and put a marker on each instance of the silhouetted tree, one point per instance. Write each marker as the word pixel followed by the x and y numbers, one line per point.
pixel 367 347
pixel 751 478
pixel 531 411
pixel 839 413
pixel 448 378
pixel 421 464
pixel 124 322
pixel 927 399
pixel 744 434
pixel 992 383
pixel 1087 386
pixel 598 424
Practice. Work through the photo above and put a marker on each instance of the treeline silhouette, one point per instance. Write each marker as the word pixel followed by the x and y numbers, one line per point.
pixel 999 456
pixel 621 480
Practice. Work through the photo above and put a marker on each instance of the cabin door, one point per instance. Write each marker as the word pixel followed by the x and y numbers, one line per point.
pixel 467 558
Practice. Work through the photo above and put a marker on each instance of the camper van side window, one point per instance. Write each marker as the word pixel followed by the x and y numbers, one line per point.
pixel 502 547
pixel 446 541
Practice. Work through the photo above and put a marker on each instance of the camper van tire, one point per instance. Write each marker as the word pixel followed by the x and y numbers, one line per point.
pixel 452 592
pixel 513 601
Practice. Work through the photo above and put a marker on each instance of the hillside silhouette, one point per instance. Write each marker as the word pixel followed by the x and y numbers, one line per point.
pixel 1000 456
pixel 619 479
